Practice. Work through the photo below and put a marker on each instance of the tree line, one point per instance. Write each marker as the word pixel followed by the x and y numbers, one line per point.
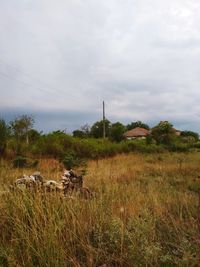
pixel 162 133
pixel 19 137
pixel 114 131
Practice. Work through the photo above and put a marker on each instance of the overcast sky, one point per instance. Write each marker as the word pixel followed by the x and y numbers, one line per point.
pixel 59 59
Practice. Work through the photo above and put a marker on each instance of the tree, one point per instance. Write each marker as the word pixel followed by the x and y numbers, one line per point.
pixel 79 134
pixel 86 129
pixel 135 124
pixel 190 135
pixel 3 135
pixel 163 133
pixel 33 135
pixel 116 132
pixel 84 132
pixel 20 127
pixel 97 129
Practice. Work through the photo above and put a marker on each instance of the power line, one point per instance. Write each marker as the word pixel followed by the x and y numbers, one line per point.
pixel 51 89
pixel 22 82
pixel 11 78
pixel 25 74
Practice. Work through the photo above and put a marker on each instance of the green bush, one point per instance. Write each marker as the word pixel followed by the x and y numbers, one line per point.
pixel 179 147
pixel 20 162
pixel 59 145
pixel 196 145
pixel 23 162
pixel 70 160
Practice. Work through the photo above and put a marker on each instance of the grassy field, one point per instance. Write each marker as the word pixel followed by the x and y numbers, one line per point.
pixel 145 212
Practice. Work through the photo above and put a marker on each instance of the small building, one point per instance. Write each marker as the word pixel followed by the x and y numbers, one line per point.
pixel 137 133
pixel 177 132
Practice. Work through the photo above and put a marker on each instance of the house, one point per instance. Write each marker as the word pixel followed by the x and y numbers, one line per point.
pixel 177 132
pixel 137 133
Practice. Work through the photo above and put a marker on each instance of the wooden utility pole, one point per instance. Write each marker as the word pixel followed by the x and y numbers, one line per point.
pixel 104 126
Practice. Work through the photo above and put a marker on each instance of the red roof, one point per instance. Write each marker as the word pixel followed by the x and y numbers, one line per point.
pixel 137 132
pixel 177 132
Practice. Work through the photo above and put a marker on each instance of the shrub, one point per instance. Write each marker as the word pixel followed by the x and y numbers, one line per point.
pixel 196 145
pixel 20 162
pixel 23 162
pixel 179 147
pixel 71 160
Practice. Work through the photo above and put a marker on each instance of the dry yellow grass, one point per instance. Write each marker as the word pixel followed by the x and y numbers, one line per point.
pixel 145 213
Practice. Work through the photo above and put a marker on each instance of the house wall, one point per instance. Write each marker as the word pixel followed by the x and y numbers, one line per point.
pixel 138 138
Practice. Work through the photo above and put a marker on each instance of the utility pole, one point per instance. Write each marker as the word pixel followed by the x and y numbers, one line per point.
pixel 104 126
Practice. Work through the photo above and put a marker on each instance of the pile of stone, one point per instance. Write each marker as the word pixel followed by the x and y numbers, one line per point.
pixel 27 181
pixel 70 183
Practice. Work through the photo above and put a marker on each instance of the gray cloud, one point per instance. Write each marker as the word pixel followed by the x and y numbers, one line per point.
pixel 65 57
pixel 47 121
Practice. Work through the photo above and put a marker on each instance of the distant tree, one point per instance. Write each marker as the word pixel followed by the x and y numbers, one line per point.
pixel 116 132
pixel 97 129
pixel 86 129
pixel 3 135
pixel 150 140
pixel 33 135
pixel 163 133
pixel 20 127
pixel 83 132
pixel 135 124
pixel 190 135
pixel 79 134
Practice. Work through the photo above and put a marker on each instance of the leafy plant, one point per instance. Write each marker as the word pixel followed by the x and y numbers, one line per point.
pixel 20 162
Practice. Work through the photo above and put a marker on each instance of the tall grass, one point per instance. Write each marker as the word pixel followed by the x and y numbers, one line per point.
pixel 144 213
